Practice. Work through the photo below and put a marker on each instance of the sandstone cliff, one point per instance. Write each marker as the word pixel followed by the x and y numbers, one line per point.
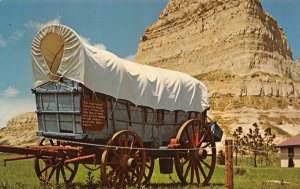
pixel 239 51
pixel 20 131
pixel 200 36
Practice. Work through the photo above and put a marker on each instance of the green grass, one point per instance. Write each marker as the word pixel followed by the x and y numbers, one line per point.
pixel 20 174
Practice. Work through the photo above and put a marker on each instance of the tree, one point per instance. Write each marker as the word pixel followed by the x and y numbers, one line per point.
pixel 254 142
pixel 269 145
pixel 237 136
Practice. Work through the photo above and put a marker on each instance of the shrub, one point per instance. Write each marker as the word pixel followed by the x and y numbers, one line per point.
pixel 239 171
pixel 221 158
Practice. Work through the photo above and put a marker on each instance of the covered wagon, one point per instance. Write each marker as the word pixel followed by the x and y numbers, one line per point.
pixel 96 108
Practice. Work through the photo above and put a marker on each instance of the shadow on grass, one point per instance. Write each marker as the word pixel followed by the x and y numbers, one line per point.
pixel 152 186
pixel 179 185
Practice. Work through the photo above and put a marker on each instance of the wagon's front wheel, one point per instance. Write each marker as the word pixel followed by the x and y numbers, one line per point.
pixel 54 168
pixel 195 163
pixel 123 160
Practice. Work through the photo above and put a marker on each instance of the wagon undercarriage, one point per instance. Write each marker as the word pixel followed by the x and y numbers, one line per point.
pixel 124 160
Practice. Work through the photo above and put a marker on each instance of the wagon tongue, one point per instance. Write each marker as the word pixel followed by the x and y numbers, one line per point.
pixel 36 151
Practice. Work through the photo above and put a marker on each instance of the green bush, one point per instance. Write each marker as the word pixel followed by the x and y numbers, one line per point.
pixel 221 158
pixel 239 171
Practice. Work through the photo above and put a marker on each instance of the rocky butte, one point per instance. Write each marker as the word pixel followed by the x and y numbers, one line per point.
pixel 20 130
pixel 239 51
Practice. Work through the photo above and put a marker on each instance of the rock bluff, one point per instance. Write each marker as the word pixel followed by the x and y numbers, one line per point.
pixel 201 36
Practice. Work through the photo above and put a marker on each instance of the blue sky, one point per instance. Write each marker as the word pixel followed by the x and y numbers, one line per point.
pixel 115 24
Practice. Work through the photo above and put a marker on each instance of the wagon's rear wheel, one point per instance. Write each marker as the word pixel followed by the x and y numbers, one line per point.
pixel 54 168
pixel 197 164
pixel 123 164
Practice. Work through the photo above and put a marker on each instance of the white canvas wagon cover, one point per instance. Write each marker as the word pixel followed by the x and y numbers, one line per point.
pixel 57 51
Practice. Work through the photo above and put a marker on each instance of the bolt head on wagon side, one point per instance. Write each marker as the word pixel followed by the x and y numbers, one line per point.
pixel 95 108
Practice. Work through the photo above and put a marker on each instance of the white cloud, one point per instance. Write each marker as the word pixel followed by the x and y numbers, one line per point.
pixel 88 41
pixel 10 108
pixel 17 35
pixel 2 42
pixel 40 25
pixel 130 58
pixel 10 92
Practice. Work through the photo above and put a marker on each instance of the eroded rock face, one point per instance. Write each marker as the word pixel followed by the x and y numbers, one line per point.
pixel 220 84
pixel 20 131
pixel 201 36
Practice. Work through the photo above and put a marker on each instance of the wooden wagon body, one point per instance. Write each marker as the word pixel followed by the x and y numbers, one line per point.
pixel 71 111
pixel 95 108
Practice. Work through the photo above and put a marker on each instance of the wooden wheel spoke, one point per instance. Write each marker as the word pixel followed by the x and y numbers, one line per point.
pixel 51 142
pixel 202 139
pixel 57 175
pixel 129 181
pixel 69 168
pixel 64 174
pixel 206 164
pixel 183 163
pixel 192 173
pixel 42 142
pixel 132 145
pixel 202 170
pixel 136 153
pixel 125 150
pixel 116 154
pixel 134 173
pixel 187 170
pixel 45 169
pixel 148 166
pixel 197 174
pixel 206 145
pixel 112 172
pixel 122 179
pixel 51 173
pixel 119 142
pixel 116 178
pixel 193 135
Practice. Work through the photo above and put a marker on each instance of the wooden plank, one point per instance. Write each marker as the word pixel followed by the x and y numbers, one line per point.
pixel 113 114
pixel 129 113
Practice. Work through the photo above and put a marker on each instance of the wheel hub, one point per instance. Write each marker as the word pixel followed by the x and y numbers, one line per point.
pixel 202 153
pixel 126 162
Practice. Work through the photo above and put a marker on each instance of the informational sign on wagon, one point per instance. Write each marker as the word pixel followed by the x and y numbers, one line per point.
pixel 93 115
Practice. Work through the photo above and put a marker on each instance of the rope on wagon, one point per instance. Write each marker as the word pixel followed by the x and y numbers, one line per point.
pixel 103 146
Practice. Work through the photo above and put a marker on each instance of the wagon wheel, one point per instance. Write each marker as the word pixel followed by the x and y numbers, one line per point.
pixel 123 166
pixel 148 170
pixel 195 166
pixel 46 167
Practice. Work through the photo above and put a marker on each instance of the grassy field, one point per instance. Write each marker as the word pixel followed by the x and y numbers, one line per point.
pixel 20 174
